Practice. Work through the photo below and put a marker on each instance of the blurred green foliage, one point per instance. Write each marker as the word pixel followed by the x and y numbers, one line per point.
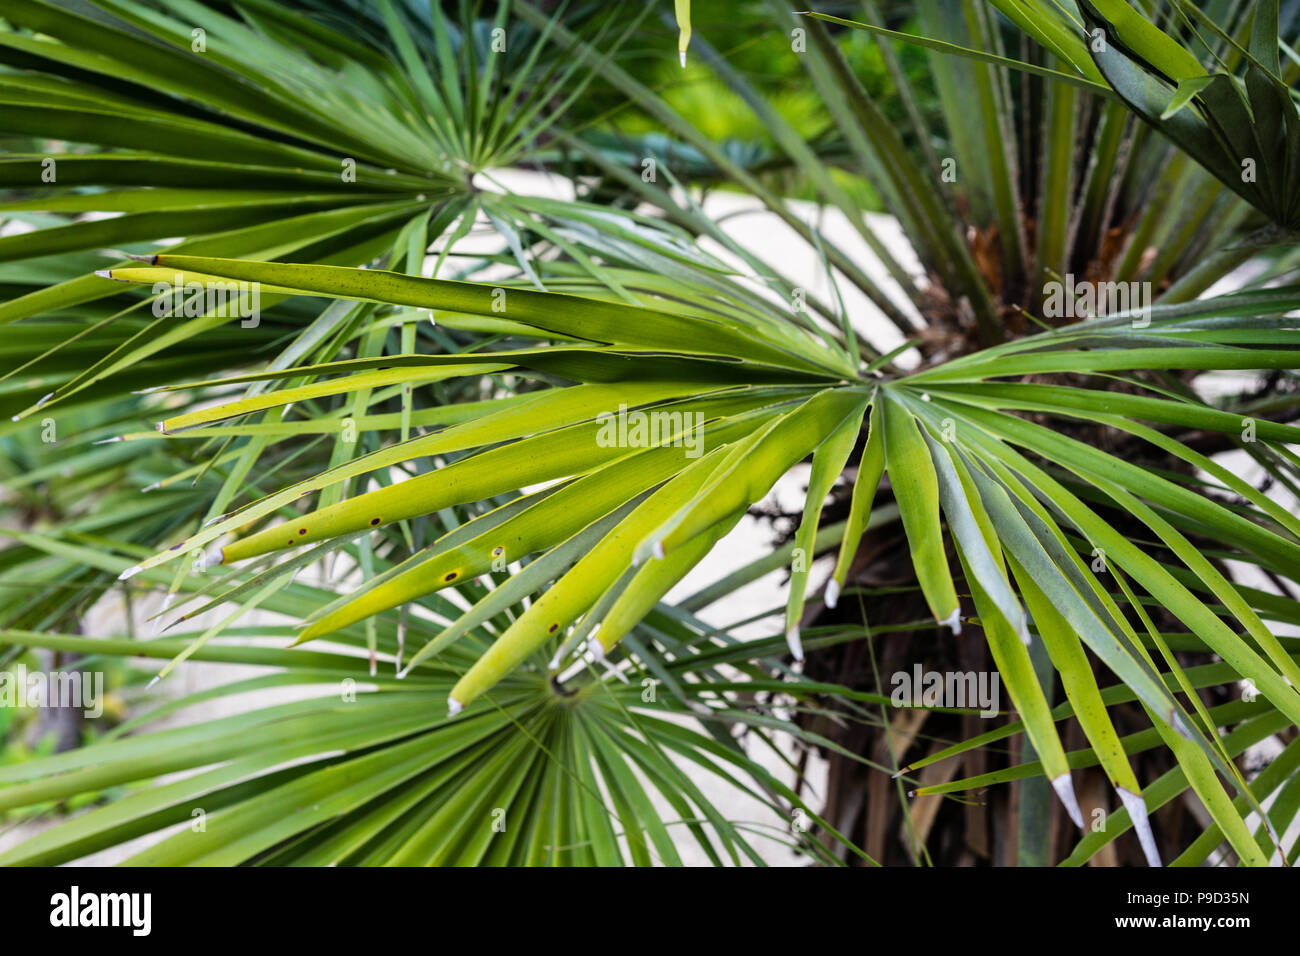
pixel 742 31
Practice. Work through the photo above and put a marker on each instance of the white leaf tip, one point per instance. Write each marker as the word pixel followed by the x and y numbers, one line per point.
pixel 793 641
pixel 454 707
pixel 211 558
pixel 832 593
pixel 953 621
pixel 1137 813
pixel 1065 790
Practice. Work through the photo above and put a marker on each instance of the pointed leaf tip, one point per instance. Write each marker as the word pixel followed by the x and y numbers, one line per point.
pixel 1137 812
pixel 795 644
pixel 454 707
pixel 953 621
pixel 1065 790
pixel 682 12
pixel 129 573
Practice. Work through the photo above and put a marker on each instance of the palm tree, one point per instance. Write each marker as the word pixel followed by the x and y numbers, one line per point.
pixel 1019 466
